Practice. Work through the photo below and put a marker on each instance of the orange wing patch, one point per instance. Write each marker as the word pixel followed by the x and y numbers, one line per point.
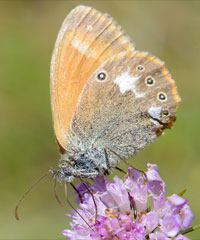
pixel 86 39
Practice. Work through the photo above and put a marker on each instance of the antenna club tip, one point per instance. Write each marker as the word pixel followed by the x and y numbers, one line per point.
pixel 16 214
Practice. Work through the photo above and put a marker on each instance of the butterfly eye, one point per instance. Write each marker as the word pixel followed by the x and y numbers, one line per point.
pixel 165 112
pixel 162 97
pixel 140 68
pixel 150 81
pixel 101 76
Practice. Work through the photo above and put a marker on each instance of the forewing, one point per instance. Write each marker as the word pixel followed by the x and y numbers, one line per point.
pixel 86 39
pixel 124 112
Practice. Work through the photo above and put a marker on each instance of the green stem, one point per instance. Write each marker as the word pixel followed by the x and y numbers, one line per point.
pixel 191 229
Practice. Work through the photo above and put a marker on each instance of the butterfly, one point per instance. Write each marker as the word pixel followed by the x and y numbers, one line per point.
pixel 108 100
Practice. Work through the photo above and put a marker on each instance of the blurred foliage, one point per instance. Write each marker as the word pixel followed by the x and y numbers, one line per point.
pixel 28 29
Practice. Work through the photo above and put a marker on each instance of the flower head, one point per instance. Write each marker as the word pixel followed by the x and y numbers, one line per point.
pixel 124 211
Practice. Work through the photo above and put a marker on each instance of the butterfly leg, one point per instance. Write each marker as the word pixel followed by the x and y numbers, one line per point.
pixel 92 195
pixel 128 164
pixel 70 204
pixel 107 162
pixel 77 191
pixel 144 174
pixel 121 170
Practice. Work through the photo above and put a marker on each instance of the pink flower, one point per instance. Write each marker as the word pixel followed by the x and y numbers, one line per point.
pixel 170 224
pixel 123 211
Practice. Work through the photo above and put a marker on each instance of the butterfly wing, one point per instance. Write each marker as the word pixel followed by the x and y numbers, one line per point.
pixel 86 39
pixel 126 104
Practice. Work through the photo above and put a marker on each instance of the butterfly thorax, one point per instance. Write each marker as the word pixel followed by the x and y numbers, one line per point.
pixel 88 163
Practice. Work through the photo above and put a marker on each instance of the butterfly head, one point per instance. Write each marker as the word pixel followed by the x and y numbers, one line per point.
pixel 87 162
pixel 64 172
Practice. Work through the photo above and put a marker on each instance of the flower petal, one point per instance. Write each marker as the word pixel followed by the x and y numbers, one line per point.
pixel 151 221
pixel 171 224
pixel 139 231
pixel 156 186
pixel 177 202
pixel 119 193
pixel 187 216
pixel 139 194
pixel 133 178
pixel 158 236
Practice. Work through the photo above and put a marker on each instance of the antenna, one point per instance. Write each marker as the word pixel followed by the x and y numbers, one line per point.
pixel 56 195
pixel 25 194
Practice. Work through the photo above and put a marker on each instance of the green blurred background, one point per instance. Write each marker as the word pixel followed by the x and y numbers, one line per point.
pixel 28 30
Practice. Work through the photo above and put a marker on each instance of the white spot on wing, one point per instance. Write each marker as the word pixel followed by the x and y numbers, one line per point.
pixel 89 28
pixel 126 82
pixel 81 46
pixel 155 111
